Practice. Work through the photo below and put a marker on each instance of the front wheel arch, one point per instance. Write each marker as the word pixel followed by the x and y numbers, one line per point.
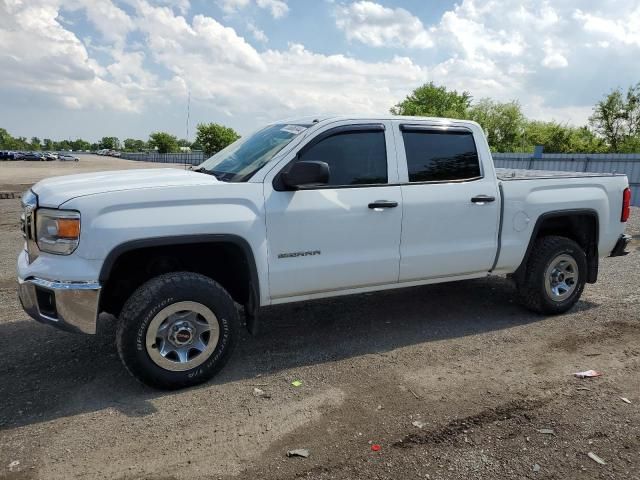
pixel 121 271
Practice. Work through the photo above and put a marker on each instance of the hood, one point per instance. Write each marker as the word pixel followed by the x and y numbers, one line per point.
pixel 53 192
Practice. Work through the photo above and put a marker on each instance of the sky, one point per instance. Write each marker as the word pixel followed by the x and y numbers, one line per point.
pixel 126 68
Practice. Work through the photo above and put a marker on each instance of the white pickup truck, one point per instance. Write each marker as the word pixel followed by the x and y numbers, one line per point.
pixel 303 209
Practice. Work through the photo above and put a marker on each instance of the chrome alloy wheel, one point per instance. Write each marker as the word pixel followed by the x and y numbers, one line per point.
pixel 561 277
pixel 182 336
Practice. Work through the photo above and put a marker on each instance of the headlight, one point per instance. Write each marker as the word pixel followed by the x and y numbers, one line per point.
pixel 57 231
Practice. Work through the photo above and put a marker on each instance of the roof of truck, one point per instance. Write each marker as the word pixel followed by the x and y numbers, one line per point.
pixel 507 174
pixel 386 116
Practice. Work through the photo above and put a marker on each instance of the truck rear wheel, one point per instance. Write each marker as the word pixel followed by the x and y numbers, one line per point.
pixel 555 276
pixel 177 330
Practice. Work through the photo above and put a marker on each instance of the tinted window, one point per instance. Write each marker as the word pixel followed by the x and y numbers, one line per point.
pixel 437 156
pixel 354 158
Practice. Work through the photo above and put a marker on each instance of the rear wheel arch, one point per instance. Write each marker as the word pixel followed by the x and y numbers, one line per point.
pixel 173 253
pixel 579 225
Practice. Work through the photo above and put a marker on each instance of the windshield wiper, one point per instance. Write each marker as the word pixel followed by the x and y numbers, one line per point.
pixel 209 172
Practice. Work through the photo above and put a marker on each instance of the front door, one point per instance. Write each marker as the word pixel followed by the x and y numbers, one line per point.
pixel 342 235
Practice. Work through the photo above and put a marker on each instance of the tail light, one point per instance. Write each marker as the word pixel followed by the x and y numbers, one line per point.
pixel 626 205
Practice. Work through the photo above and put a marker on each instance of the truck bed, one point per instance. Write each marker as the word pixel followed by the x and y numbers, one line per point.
pixel 508 174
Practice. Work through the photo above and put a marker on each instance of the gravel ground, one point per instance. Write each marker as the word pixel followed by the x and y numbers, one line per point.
pixel 20 175
pixel 453 381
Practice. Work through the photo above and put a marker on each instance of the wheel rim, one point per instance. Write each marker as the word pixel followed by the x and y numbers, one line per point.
pixel 182 336
pixel 561 277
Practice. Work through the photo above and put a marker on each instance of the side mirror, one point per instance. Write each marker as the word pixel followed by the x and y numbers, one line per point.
pixel 306 174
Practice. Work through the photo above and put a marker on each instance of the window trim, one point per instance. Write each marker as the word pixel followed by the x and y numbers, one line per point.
pixel 358 128
pixel 454 129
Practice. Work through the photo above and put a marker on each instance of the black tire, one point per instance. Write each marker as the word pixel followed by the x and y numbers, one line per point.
pixel 149 300
pixel 532 291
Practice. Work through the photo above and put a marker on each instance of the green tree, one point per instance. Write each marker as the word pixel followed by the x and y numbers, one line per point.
pixel 503 123
pixel 35 143
pixel 5 139
pixel 134 145
pixel 212 137
pixel 183 142
pixel 80 144
pixel 163 142
pixel 112 143
pixel 559 138
pixel 48 144
pixel 20 143
pixel 63 145
pixel 430 100
pixel 617 119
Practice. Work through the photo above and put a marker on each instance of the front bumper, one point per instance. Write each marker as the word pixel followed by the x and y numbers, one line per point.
pixel 70 306
pixel 619 249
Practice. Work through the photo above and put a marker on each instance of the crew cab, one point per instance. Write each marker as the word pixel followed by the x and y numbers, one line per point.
pixel 299 210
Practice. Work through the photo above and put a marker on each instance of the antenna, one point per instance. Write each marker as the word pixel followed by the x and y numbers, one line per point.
pixel 188 115
pixel 188 112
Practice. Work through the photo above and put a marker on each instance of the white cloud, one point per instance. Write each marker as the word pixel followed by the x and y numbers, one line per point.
pixel 549 56
pixel 178 45
pixel 538 109
pixel 553 58
pixel 518 49
pixel 378 26
pixel 46 59
pixel 107 18
pixel 230 76
pixel 181 6
pixel 623 29
pixel 258 34
pixel 278 8
pixel 232 6
pixel 467 27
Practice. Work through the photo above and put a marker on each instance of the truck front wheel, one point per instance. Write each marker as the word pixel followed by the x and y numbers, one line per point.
pixel 177 330
pixel 555 275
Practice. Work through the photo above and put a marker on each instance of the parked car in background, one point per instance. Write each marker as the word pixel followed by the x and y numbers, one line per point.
pixel 65 157
pixel 50 155
pixel 33 156
pixel 10 155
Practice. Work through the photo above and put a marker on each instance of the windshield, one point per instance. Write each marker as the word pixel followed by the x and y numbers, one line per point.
pixel 240 160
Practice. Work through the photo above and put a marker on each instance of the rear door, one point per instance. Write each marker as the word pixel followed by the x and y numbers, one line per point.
pixel 450 202
pixel 336 236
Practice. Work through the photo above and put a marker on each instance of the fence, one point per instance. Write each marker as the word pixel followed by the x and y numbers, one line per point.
pixel 629 164
pixel 188 158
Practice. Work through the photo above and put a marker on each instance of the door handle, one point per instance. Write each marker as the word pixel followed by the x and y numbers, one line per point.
pixel 483 199
pixel 383 204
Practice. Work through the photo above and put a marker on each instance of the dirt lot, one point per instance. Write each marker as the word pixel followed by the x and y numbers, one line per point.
pixel 18 176
pixel 478 374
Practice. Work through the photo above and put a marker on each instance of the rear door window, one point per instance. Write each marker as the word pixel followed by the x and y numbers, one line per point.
pixel 435 156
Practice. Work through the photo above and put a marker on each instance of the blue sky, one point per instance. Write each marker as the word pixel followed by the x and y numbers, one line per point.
pixel 92 68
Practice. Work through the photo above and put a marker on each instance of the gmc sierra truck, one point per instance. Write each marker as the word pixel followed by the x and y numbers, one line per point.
pixel 303 209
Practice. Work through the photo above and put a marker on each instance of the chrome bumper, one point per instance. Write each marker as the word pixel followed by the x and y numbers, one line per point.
pixel 70 306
